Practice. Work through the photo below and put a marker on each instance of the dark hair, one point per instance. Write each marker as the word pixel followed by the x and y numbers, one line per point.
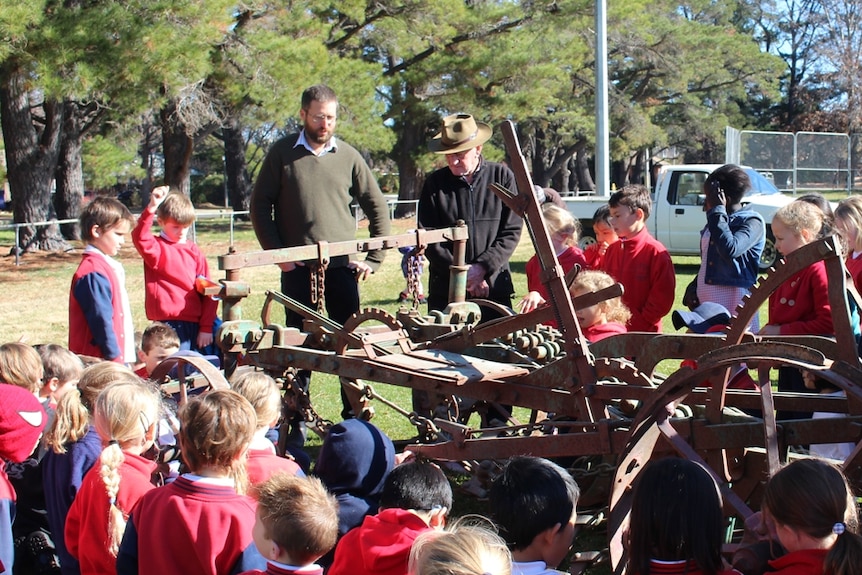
pixel 317 93
pixel 819 201
pixel 530 496
pixel 732 179
pixel 676 515
pixel 418 486
pixel 812 496
pixel 633 196
pixel 159 334
pixel 603 214
pixel 105 212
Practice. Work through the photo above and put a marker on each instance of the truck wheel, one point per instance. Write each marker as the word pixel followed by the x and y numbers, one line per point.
pixel 770 254
pixel 586 241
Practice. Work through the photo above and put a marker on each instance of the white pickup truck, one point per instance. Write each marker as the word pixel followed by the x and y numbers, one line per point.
pixel 677 215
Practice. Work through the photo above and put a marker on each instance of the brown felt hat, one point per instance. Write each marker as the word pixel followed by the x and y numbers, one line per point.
pixel 460 132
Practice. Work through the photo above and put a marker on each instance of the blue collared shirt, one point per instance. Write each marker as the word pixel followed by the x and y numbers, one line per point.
pixel 330 146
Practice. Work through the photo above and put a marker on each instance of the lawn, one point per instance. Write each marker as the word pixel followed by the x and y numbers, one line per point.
pixel 36 293
pixel 36 306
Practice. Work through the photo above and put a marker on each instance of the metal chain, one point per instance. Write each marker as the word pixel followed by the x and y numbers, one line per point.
pixel 318 287
pixel 414 277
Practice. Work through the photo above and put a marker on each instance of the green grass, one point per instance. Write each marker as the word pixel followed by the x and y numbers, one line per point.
pixel 40 290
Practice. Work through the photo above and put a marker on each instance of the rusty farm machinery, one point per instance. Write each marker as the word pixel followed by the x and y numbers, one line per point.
pixel 605 407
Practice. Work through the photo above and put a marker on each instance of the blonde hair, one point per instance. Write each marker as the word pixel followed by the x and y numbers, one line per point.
pixel 799 216
pixel 178 207
pixel 560 221
pixel 21 365
pixel 298 514
pixel 215 430
pixel 262 392
pixel 76 407
pixel 461 549
pixel 593 281
pixel 124 412
pixel 850 210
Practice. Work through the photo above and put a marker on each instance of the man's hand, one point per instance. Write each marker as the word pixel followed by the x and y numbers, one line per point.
pixel 361 269
pixel 476 284
pixel 204 339
pixel 157 196
pixel 289 266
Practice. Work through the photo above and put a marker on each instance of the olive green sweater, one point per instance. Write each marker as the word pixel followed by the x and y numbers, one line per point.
pixel 301 199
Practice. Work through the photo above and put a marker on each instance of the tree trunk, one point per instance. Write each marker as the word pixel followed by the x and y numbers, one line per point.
pixel 564 177
pixel 31 158
pixel 70 172
pixel 149 142
pixel 410 176
pixel 177 147
pixel 411 141
pixel 236 171
pixel 585 179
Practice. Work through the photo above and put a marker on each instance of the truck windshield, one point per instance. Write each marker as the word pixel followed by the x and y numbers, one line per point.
pixel 760 184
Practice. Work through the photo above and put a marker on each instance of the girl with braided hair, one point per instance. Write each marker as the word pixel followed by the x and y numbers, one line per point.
pixel 73 448
pixel 126 419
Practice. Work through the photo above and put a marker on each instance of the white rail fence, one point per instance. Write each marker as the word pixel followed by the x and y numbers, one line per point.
pixel 199 215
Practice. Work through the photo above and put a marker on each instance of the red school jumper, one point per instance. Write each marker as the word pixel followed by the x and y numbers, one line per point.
pixel 570 256
pixel 86 532
pixel 190 526
pixel 644 268
pixel 170 270
pixel 800 306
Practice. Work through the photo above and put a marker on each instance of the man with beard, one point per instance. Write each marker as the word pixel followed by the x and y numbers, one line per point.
pixel 302 196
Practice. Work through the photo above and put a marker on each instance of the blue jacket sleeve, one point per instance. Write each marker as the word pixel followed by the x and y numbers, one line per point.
pixel 94 295
pixel 733 243
pixel 250 560
pixel 7 549
pixel 127 556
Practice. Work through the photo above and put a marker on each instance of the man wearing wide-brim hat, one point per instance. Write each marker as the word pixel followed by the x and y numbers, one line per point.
pixel 461 191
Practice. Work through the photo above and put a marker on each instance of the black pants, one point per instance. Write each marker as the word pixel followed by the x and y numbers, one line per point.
pixel 790 379
pixel 341 296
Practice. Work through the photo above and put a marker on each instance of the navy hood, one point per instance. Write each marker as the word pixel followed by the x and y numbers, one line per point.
pixel 354 461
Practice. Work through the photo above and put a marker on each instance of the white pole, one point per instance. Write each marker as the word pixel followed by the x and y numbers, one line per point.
pixel 603 173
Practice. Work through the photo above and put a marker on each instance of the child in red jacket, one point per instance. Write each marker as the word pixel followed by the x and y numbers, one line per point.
pixel 126 415
pixel 605 236
pixel 564 230
pixel 638 261
pixel 22 419
pixel 171 267
pixel 799 306
pixel 416 498
pixel 100 317
pixel 263 461
pixel 202 522
pixel 604 319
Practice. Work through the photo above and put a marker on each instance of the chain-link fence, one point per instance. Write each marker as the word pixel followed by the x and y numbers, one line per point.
pixel 796 162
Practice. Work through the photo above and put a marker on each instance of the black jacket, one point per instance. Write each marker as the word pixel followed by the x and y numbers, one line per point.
pixel 493 228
